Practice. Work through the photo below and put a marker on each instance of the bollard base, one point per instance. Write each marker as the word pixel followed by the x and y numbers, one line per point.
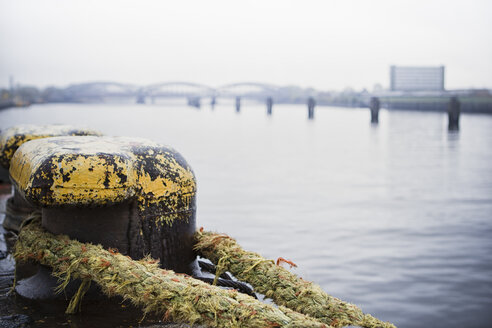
pixel 42 286
pixel 17 210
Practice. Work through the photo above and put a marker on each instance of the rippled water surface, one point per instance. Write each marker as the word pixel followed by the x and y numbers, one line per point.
pixel 396 218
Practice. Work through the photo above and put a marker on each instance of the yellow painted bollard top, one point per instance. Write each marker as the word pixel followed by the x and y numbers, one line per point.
pixel 13 137
pixel 94 171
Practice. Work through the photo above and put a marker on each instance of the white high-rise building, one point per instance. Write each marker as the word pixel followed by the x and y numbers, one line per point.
pixel 408 78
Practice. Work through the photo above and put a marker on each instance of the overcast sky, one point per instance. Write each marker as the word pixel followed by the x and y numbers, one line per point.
pixel 324 44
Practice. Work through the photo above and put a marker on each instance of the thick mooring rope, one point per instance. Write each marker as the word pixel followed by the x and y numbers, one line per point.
pixel 177 297
pixel 277 283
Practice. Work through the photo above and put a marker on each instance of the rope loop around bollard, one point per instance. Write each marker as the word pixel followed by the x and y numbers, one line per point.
pixel 185 299
pixel 178 297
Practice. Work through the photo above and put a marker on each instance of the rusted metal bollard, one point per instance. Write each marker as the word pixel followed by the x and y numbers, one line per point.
pixel 123 193
pixel 374 107
pixel 454 114
pixel 11 139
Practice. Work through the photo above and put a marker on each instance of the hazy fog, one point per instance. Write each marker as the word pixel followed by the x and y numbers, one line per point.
pixel 324 44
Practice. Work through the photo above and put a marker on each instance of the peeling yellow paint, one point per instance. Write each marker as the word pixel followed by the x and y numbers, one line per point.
pixel 102 170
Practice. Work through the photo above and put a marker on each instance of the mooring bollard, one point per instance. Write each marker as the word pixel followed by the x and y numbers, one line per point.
pixel 123 193
pixel 374 107
pixel 454 114
pixel 238 104
pixel 10 140
pixel 269 103
pixel 311 104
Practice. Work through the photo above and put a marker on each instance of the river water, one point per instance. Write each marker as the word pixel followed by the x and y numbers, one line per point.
pixel 396 218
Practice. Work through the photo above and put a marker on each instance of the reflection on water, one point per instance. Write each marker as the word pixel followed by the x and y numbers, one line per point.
pixel 395 218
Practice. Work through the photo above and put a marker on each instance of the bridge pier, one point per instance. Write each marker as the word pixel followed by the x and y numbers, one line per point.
pixel 454 114
pixel 269 103
pixel 374 107
pixel 238 104
pixel 213 101
pixel 194 102
pixel 311 104
pixel 141 99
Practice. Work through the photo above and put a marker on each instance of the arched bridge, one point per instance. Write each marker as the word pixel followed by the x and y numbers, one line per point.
pixel 178 89
pixel 98 91
pixel 247 90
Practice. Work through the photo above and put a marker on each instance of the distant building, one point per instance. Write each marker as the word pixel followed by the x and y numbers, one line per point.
pixel 407 78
